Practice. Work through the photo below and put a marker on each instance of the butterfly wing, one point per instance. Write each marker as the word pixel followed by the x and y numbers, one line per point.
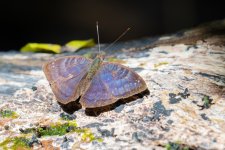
pixel 64 75
pixel 112 82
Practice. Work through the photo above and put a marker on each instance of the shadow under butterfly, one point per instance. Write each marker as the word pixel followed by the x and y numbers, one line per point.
pixel 79 82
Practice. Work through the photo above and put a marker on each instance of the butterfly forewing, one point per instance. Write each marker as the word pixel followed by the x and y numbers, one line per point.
pixel 64 75
pixel 112 82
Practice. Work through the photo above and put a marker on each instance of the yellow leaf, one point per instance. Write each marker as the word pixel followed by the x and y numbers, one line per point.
pixel 77 44
pixel 41 47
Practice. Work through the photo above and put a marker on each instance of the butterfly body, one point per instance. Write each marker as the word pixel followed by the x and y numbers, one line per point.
pixel 86 80
pixel 94 66
pixel 97 83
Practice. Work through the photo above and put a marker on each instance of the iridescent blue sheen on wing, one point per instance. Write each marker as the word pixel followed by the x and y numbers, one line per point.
pixel 64 75
pixel 112 82
pixel 97 94
pixel 120 80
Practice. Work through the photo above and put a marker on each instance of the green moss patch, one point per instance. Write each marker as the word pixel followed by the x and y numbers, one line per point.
pixel 8 114
pixel 16 143
pixel 52 129
pixel 88 136
pixel 62 129
pixel 207 102
pixel 22 142
pixel 57 129
pixel 178 146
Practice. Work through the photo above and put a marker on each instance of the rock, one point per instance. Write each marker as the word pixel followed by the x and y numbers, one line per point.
pixel 173 99
pixel 106 133
pixel 94 125
pixel 108 120
pixel 170 121
pixel 66 142
pixel 146 119
pixel 119 109
pixel 204 116
pixel 66 116
pixel 159 110
pixel 138 136
pixel 183 71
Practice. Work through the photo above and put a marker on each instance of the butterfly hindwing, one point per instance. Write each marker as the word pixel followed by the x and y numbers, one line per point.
pixel 64 75
pixel 112 82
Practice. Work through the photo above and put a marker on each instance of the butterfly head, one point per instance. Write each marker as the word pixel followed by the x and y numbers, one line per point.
pixel 101 57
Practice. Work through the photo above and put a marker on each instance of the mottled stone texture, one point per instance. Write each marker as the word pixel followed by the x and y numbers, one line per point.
pixel 184 72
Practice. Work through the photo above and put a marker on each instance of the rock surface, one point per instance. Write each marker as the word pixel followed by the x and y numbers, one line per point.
pixel 182 72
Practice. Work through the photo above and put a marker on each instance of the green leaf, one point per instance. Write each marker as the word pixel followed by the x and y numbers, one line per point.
pixel 78 44
pixel 41 47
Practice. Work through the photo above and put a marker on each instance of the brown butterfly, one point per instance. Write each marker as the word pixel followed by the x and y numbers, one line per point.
pixel 95 82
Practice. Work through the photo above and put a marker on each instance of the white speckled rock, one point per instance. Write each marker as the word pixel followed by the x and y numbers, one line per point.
pixel 179 72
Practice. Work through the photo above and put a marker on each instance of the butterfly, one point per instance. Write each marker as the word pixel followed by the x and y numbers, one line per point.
pixel 95 82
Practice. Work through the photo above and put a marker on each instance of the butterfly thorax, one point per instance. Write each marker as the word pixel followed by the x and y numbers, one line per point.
pixel 94 67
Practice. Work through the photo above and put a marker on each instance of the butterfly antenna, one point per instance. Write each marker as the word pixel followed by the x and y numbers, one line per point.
pixel 98 37
pixel 117 39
